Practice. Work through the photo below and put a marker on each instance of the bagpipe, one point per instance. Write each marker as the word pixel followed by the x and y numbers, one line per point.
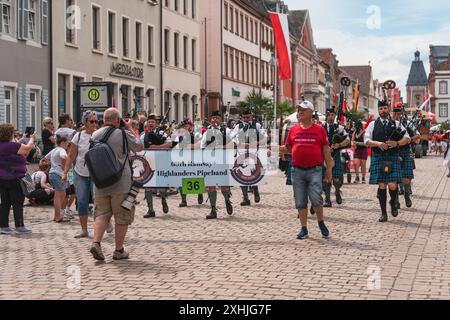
pixel 159 136
pixel 338 137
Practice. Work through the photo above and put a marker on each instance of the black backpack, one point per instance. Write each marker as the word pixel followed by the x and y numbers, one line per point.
pixel 104 168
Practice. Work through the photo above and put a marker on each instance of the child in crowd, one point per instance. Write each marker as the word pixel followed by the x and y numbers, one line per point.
pixel 44 193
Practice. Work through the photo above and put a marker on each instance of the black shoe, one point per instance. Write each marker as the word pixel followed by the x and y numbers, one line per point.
pixel 401 192
pixel 150 214
pixel 212 214
pixel 183 204
pixel 312 211
pixel 229 207
pixel 246 203
pixel 383 218
pixel 165 206
pixel 408 201
pixel 200 199
pixel 257 197
pixel 338 197
pixel 394 210
pixel 328 205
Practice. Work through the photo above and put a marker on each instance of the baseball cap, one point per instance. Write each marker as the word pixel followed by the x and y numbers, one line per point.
pixel 306 105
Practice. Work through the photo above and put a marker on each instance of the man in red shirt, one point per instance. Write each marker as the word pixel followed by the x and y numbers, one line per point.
pixel 308 143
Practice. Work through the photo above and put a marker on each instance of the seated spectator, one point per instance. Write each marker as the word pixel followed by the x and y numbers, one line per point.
pixel 44 193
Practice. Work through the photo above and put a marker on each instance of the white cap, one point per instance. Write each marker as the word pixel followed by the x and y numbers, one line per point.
pixel 306 105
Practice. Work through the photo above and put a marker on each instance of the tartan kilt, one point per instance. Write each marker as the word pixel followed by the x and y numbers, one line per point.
pixel 376 174
pixel 338 170
pixel 407 164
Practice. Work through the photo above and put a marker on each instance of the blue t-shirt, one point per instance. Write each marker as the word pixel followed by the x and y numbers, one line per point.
pixel 12 165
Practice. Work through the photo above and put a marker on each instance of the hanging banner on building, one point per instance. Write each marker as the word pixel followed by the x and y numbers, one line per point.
pixel 218 167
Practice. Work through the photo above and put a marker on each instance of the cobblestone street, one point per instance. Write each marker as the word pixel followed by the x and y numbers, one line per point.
pixel 254 255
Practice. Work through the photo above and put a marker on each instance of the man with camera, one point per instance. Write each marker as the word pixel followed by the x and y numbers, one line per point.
pixel 108 200
pixel 386 136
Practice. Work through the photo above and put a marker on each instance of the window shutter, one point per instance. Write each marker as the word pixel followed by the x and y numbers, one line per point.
pixel 19 19
pixel 44 29
pixel 25 19
pixel 1 18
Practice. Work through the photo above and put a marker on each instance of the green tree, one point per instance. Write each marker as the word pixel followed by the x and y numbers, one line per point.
pixel 258 103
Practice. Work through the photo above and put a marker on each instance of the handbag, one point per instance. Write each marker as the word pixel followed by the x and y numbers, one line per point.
pixel 27 184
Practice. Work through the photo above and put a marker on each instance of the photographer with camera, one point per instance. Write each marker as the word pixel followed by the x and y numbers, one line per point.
pixel 117 136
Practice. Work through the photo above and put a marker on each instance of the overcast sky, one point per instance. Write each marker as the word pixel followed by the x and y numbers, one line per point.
pixel 386 33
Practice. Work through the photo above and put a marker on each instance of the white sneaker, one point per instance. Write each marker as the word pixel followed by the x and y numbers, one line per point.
pixel 68 213
pixel 110 228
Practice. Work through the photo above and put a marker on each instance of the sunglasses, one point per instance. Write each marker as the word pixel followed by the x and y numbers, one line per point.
pixel 93 121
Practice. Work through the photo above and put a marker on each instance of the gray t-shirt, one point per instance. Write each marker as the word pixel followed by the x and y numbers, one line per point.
pixel 115 141
pixel 55 157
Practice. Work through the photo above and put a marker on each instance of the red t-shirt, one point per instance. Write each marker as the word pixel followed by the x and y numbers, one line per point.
pixel 307 145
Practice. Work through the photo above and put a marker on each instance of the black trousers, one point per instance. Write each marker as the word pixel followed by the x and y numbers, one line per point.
pixel 11 195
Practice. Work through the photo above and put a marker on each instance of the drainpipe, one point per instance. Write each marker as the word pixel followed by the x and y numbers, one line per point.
pixel 161 65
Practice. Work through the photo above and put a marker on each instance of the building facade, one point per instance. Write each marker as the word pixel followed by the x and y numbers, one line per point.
pixel 25 78
pixel 101 40
pixel 439 80
pixel 417 85
pixel 181 59
pixel 237 48
pixel 368 101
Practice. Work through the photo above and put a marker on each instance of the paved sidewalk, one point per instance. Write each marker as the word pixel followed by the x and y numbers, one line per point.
pixel 254 255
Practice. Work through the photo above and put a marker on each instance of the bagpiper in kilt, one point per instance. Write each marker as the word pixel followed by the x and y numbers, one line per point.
pixel 385 136
pixel 339 139
pixel 406 159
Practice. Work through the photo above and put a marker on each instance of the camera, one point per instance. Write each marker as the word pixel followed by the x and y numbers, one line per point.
pixel 130 200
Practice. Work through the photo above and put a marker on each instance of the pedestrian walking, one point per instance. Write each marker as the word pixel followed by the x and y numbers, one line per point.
pixel 385 136
pixel 308 143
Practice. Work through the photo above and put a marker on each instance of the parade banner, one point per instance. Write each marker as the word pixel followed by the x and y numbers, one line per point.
pixel 215 167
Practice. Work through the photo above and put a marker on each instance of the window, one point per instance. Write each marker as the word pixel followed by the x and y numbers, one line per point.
pixel 185 7
pixel 246 28
pixel 8 105
pixel 62 94
pixel 237 66
pixel 252 70
pixel 151 100
pixel 33 108
pixel 252 35
pixel 70 15
pixel 256 32
pixel 185 52
pixel 443 110
pixel 256 72
pixel 166 46
pixel 176 45
pixel 231 26
pixel 167 97
pixel 138 41
pixel 243 67
pixel 176 102
pixel 125 36
pixel 242 26
pixel 150 44
pixel 177 5
pixel 194 107
pixel 237 22
pixel 166 3
pixel 443 87
pixel 194 55
pixel 185 106
pixel 31 14
pixel 44 21
pixel 111 32
pixel 194 9
pixel 5 16
pixel 225 11
pixel 225 57
pixel 96 28
pixel 247 68
pixel 231 64
pixel 126 101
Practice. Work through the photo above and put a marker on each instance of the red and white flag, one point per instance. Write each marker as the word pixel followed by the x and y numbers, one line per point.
pixel 281 33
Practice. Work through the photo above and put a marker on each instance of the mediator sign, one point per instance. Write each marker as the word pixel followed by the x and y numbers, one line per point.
pixel 218 167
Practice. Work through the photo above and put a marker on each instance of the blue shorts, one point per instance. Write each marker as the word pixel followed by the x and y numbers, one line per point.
pixel 56 182
pixel 307 184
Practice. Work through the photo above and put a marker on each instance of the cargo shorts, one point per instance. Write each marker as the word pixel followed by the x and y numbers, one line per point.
pixel 106 206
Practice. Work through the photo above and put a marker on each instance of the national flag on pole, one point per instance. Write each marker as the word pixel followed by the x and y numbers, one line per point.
pixel 281 33
pixel 356 96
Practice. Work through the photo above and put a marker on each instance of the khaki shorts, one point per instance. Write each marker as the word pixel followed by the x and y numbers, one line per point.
pixel 107 206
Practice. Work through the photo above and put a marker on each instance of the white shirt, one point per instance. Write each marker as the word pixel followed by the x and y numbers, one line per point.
pixel 369 131
pixel 215 132
pixel 83 144
pixel 39 177
pixel 235 133
pixel 341 130
pixel 55 157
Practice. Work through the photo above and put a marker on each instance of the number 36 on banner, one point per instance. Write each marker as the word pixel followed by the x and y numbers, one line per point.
pixel 193 186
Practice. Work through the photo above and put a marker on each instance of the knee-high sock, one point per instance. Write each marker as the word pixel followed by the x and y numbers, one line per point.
pixel 183 196
pixel 382 197
pixel 394 195
pixel 226 195
pixel 255 189
pixel 163 193
pixel 407 189
pixel 149 199
pixel 245 192
pixel 212 198
pixel 337 184
pixel 327 190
